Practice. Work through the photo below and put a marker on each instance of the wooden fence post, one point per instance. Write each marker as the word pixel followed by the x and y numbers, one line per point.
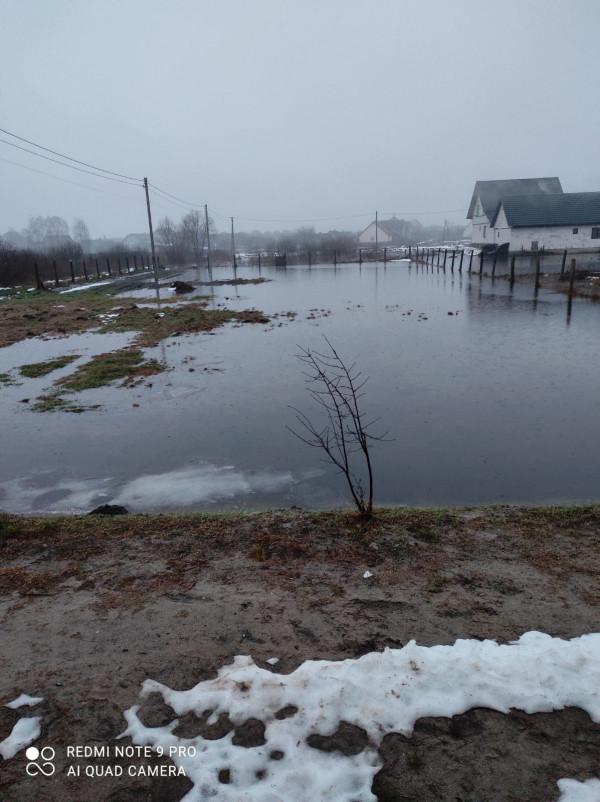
pixel 127 263
pixel 572 277
pixel 471 260
pixel 334 257
pixel 494 263
pixel 564 260
pixel 55 274
pixel 72 272
pixel 85 273
pixel 481 263
pixel 445 255
pixel 108 265
pixel 97 268
pixel 512 269
pixel 537 271
pixel 462 256
pixel 38 281
pixel 384 255
pixel 452 263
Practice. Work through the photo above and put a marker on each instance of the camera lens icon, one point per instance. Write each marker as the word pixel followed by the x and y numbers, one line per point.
pixel 40 761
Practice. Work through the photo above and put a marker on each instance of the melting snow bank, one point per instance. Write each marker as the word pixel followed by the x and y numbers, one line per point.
pixel 379 692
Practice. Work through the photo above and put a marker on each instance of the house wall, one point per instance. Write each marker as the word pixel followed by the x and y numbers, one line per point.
pixel 502 233
pixel 553 238
pixel 368 236
pixel 481 234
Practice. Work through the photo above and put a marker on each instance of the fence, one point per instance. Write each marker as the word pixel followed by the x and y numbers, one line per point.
pixel 522 263
pixel 29 268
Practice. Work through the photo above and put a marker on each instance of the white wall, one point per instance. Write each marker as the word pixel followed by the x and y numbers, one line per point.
pixel 368 236
pixel 481 227
pixel 502 233
pixel 553 238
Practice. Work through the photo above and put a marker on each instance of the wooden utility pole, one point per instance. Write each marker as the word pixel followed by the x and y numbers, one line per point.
pixel 232 246
pixel 154 265
pixel 207 235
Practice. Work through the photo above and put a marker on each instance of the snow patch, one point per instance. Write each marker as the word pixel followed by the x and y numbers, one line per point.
pixel 25 699
pixel 25 731
pixel 380 693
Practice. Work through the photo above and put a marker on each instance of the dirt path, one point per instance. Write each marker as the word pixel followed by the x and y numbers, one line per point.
pixel 91 607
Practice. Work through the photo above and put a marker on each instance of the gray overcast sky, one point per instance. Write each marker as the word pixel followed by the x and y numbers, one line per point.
pixel 280 109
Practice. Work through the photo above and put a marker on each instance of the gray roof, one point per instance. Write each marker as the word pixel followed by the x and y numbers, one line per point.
pixel 568 209
pixel 394 227
pixel 492 192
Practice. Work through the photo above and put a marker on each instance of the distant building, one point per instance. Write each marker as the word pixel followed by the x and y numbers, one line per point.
pixel 137 241
pixel 390 233
pixel 15 239
pixel 488 194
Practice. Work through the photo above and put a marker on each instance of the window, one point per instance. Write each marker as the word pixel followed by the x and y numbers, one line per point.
pixel 484 228
pixel 575 231
pixel 596 232
pixel 534 245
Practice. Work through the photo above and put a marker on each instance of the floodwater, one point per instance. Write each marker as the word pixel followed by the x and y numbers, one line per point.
pixel 494 403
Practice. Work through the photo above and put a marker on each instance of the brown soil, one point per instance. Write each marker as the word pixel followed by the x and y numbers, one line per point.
pixel 91 606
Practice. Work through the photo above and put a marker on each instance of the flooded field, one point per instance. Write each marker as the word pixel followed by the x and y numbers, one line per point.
pixel 490 394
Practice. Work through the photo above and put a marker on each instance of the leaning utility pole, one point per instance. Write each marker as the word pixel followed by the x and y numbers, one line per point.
pixel 232 245
pixel 154 265
pixel 207 235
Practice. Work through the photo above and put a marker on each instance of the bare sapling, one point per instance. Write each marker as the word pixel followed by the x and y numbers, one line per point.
pixel 345 435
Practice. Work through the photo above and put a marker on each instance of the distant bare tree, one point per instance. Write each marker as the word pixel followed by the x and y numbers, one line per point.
pixel 81 232
pixel 192 228
pixel 171 239
pixel 65 251
pixel 337 389
pixel 56 227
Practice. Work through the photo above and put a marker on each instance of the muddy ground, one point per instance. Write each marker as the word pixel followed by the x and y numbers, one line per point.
pixel 92 607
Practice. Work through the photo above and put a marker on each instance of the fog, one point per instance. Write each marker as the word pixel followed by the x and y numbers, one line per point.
pixel 283 113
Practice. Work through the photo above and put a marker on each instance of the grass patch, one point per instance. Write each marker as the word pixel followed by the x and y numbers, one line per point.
pixel 37 369
pixel 7 379
pixel 190 318
pixel 233 281
pixel 438 583
pixel 54 401
pixel 106 368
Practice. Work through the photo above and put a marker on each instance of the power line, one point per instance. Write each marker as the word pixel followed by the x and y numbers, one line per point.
pixel 167 199
pixel 443 211
pixel 187 203
pixel 71 166
pixel 69 158
pixel 66 181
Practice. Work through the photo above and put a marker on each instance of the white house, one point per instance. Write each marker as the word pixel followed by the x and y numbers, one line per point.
pixel 569 220
pixel 390 232
pixel 488 194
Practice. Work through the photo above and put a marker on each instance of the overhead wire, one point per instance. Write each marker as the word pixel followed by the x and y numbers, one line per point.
pixel 70 166
pixel 69 158
pixel 74 183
